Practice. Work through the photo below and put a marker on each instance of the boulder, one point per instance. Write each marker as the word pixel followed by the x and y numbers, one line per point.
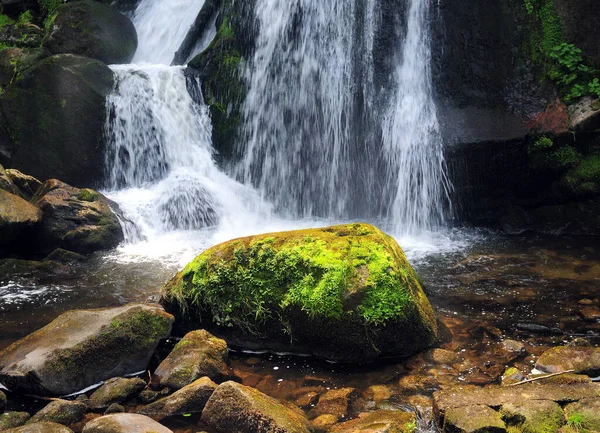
pixel 562 358
pixel 189 399
pixel 27 185
pixel 534 416
pixel 114 408
pixel 79 220
pixel 92 29
pixel 41 427
pixel 197 355
pixel 61 412
pixel 17 218
pixel 124 423
pixel 115 390
pixel 11 268
pixel 584 415
pixel 585 115
pixel 55 113
pixel 234 407
pixel 83 347
pixel 474 419
pixel 344 293
pixel 15 61
pixel 9 420
pixel 381 421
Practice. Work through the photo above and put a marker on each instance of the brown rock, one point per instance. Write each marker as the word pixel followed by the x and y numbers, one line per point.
pixel 378 393
pixel 584 414
pixel 324 423
pixel 124 423
pixel 534 416
pixel 27 185
pixel 307 399
pixel 441 356
pixel 41 427
pixel 472 419
pixel 590 313
pixel 336 402
pixel 562 358
pixel 198 354
pixel 9 420
pixel 17 216
pixel 381 421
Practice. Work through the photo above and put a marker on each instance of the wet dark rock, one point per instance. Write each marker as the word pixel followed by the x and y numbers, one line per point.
pixel 148 396
pixel 189 399
pixel 55 114
pixel 198 354
pixel 535 328
pixel 381 421
pixel 441 356
pixel 6 183
pixel 115 390
pixel 83 347
pixel 378 393
pixel 27 185
pixel 590 313
pixel 114 408
pixel 9 420
pixel 92 29
pixel 562 358
pixel 336 402
pixel 41 427
pixel 307 400
pixel 197 30
pixel 124 423
pixel 580 19
pixel 535 416
pixel 21 35
pixel 17 218
pixel 2 401
pixel 10 268
pixel 79 220
pixel 61 412
pixel 234 407
pixel 63 256
pixel 584 414
pixel 473 419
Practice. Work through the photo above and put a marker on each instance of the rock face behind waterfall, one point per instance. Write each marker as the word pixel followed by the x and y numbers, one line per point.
pixel 343 293
pixel 83 347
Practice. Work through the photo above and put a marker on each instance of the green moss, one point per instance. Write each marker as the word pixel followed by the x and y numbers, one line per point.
pixel 5 20
pixel 585 178
pixel 88 195
pixel 316 271
pixel 542 143
pixel 565 157
pixel 25 17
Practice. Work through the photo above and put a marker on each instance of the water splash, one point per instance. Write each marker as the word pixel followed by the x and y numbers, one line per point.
pixel 412 143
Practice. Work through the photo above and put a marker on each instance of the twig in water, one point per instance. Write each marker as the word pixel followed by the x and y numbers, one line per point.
pixel 541 377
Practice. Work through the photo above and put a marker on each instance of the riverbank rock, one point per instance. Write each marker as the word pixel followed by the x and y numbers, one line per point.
pixel 92 29
pixel 41 427
pixel 83 347
pixel 124 423
pixel 54 114
pixel 17 218
pixel 11 420
pixel 197 355
pixel 115 390
pixel 189 399
pixel 344 293
pixel 61 412
pixel 79 220
pixel 381 421
pixel 234 407
pixel 562 358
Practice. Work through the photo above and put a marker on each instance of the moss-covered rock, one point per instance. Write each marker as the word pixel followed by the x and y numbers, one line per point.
pixel 534 416
pixel 584 415
pixel 124 423
pixel 79 220
pixel 92 29
pixel 54 113
pixel 562 358
pixel 381 421
pixel 197 355
pixel 345 293
pixel 115 390
pixel 584 180
pixel 336 402
pixel 189 399
pixel 61 412
pixel 83 347
pixel 10 420
pixel 234 407
pixel 41 427
pixel 474 419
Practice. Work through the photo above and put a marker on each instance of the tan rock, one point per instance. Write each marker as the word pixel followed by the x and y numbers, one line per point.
pixel 336 402
pixel 124 423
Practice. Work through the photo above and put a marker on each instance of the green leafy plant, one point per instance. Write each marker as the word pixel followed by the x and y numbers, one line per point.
pixel 577 421
pixel 542 143
pixel 594 87
pixel 5 20
pixel 25 17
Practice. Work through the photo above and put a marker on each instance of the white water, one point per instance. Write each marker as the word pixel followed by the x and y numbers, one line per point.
pixel 298 137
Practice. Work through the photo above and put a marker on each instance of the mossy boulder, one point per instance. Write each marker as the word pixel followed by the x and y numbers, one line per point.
pixel 562 358
pixel 21 35
pixel 10 420
pixel 380 421
pixel 189 399
pixel 474 419
pixel 115 390
pixel 343 293
pixel 584 415
pixel 197 355
pixel 79 220
pixel 92 29
pixel 41 427
pixel 238 408
pixel 83 347
pixel 534 416
pixel 54 114
pixel 61 412
pixel 124 423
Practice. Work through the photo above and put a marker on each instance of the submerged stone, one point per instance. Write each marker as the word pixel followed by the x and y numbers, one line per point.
pixel 81 348
pixel 344 293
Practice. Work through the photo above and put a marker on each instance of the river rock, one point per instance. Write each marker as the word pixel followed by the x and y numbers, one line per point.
pixel 10 420
pixel 17 218
pixel 55 114
pixel 586 413
pixel 198 354
pixel 381 421
pixel 336 402
pixel 189 399
pixel 61 412
pixel 474 419
pixel 562 358
pixel 114 408
pixel 534 416
pixel 324 423
pixel 343 293
pixel 79 220
pixel 234 407
pixel 27 185
pixel 41 427
pixel 124 423
pixel 83 347
pixel 92 29
pixel 115 390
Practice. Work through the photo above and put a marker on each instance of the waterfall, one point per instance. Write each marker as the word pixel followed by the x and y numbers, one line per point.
pixel 416 180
